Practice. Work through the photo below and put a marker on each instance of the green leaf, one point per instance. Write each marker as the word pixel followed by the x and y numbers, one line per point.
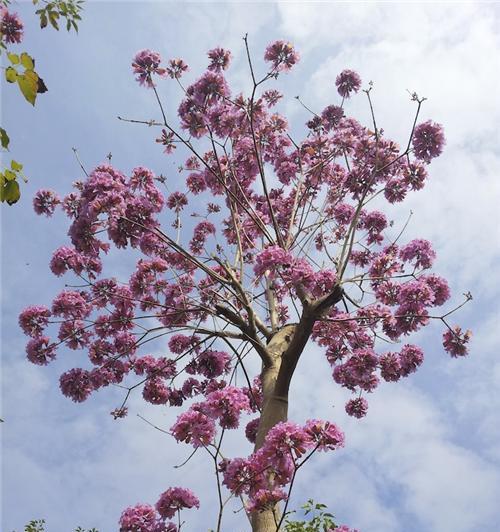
pixel 43 20
pixel 27 61
pixel 11 192
pixel 13 58
pixel 9 175
pixel 28 83
pixel 17 167
pixel 10 75
pixel 53 16
pixel 4 138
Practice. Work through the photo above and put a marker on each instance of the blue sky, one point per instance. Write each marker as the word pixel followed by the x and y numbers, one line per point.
pixel 427 457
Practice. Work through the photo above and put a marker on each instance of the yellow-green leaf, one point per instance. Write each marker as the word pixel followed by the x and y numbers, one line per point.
pixel 53 16
pixel 11 193
pixel 10 75
pixel 9 175
pixel 17 167
pixel 28 83
pixel 13 58
pixel 27 61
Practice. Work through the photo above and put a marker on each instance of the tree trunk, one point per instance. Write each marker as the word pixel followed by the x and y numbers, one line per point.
pixel 276 377
pixel 274 410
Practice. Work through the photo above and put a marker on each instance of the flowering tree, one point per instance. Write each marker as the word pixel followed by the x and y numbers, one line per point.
pixel 289 250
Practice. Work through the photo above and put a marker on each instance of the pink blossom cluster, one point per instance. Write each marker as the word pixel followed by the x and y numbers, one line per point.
pixel 146 518
pixel 200 234
pixel 197 427
pixel 166 139
pixel 11 27
pixel 34 319
pixel 205 100
pixel 127 210
pixel 272 97
pixel 145 64
pixel 270 259
pixel 357 407
pixel 281 55
pixel 177 201
pixel 210 363
pixel 176 68
pixel 419 252
pixel 348 82
pixel 456 341
pixel 147 283
pixel 276 263
pixel 142 518
pixel 219 59
pixel 263 474
pixel 194 427
pixel 428 141
pixel 66 258
pixel 331 116
pixel 174 500
pixel 40 350
pixel 45 202
pixel 350 342
pixel 374 223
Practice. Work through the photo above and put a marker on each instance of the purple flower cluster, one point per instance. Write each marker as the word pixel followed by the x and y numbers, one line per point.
pixel 141 518
pixel 34 319
pixel 428 141
pixel 455 341
pixel 357 407
pixel 65 259
pixel 11 27
pixel 194 427
pixel 281 55
pixel 219 59
pixel 348 82
pixel 175 499
pixel 419 252
pixel 40 351
pixel 146 518
pixel 262 475
pixel 76 384
pixel 145 64
pixel 201 232
pixel 176 68
pixel 45 202
pixel 270 259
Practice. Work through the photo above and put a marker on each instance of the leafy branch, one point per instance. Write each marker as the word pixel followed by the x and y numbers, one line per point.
pixel 60 9
pixel 321 520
